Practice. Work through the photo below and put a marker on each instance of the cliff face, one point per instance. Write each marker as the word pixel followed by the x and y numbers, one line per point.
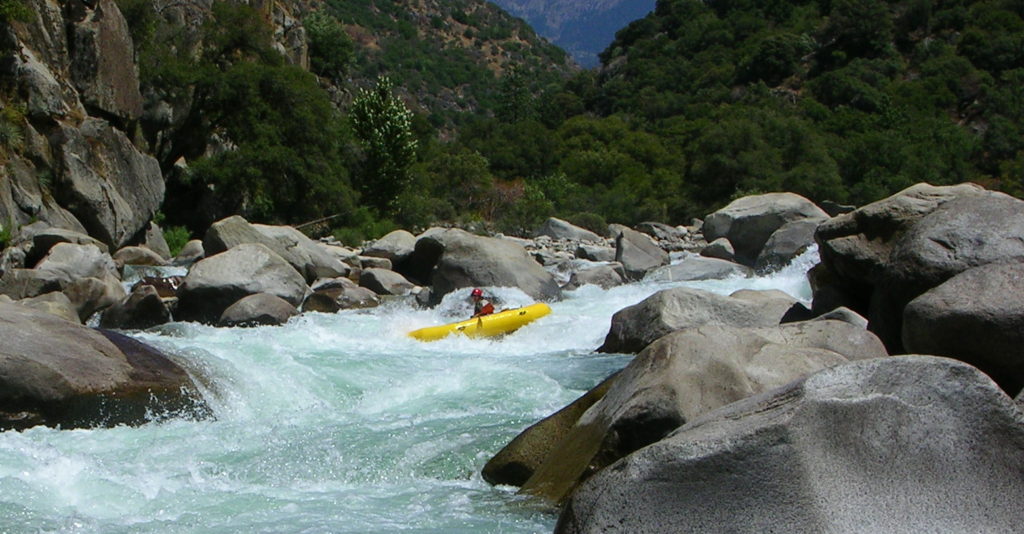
pixel 71 100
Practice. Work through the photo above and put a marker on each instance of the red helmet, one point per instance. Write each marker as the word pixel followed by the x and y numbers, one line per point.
pixel 477 292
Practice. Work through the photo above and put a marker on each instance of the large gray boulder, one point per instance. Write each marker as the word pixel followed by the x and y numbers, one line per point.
pixel 385 282
pixel 748 222
pixel 720 249
pixel 89 295
pixel 666 311
pixel 878 258
pixel 55 303
pixel 27 283
pixel 900 445
pixel 458 259
pixel 154 240
pixel 68 262
pixel 56 372
pixel 190 253
pixel 586 251
pixel 692 268
pixel 334 295
pixel 40 243
pixel 219 281
pixel 517 461
pixel 684 375
pixel 395 246
pixel 603 276
pixel 638 253
pixel 559 229
pixel 976 316
pixel 137 256
pixel 304 254
pixel 261 309
pixel 105 181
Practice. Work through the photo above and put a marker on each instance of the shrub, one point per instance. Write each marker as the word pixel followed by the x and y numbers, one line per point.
pixel 176 237
pixel 591 221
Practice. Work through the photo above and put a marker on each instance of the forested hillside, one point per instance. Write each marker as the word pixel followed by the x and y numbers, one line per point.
pixel 383 114
pixel 845 100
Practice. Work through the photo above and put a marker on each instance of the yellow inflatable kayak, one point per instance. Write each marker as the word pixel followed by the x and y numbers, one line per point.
pixel 486 326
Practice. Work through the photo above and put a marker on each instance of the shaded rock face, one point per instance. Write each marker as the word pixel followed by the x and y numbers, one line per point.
pixel 102 62
pixel 332 296
pixel 748 222
pixel 902 444
pixel 55 372
pixel 976 316
pixel 684 375
pixel 461 259
pixel 219 281
pixel 517 461
pixel 880 257
pixel 106 182
pixel 637 326
pixel 140 310
pixel 785 244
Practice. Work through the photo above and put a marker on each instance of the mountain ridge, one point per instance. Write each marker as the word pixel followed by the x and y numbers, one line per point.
pixel 583 27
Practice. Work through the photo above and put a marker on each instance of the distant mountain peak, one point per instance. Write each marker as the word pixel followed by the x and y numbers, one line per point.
pixel 583 27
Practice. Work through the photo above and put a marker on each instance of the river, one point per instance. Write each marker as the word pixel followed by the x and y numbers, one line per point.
pixel 331 424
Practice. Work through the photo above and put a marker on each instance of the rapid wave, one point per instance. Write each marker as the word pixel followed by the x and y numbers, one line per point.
pixel 333 423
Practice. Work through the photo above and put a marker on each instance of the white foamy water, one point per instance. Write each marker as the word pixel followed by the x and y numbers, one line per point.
pixel 332 423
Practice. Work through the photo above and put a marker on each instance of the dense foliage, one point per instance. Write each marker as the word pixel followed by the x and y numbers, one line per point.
pixel 847 100
pixel 696 104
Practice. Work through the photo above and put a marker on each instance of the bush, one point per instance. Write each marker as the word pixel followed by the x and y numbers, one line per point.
pixel 591 221
pixel 176 237
pixel 330 48
pixel 5 235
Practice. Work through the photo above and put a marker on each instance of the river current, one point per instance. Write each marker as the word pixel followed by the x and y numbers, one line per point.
pixel 332 424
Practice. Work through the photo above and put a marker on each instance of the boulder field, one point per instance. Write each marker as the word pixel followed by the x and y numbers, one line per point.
pixel 748 412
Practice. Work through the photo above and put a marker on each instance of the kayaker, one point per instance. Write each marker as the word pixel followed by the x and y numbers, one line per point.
pixel 481 306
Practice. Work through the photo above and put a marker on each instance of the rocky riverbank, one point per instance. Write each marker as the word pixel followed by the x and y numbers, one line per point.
pixel 754 379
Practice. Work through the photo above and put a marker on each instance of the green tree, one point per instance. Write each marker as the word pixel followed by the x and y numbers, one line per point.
pixel 330 48
pixel 383 126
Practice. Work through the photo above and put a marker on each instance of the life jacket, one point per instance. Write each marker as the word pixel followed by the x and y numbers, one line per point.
pixel 483 307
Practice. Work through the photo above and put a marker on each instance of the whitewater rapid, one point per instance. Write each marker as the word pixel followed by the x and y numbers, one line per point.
pixel 332 423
